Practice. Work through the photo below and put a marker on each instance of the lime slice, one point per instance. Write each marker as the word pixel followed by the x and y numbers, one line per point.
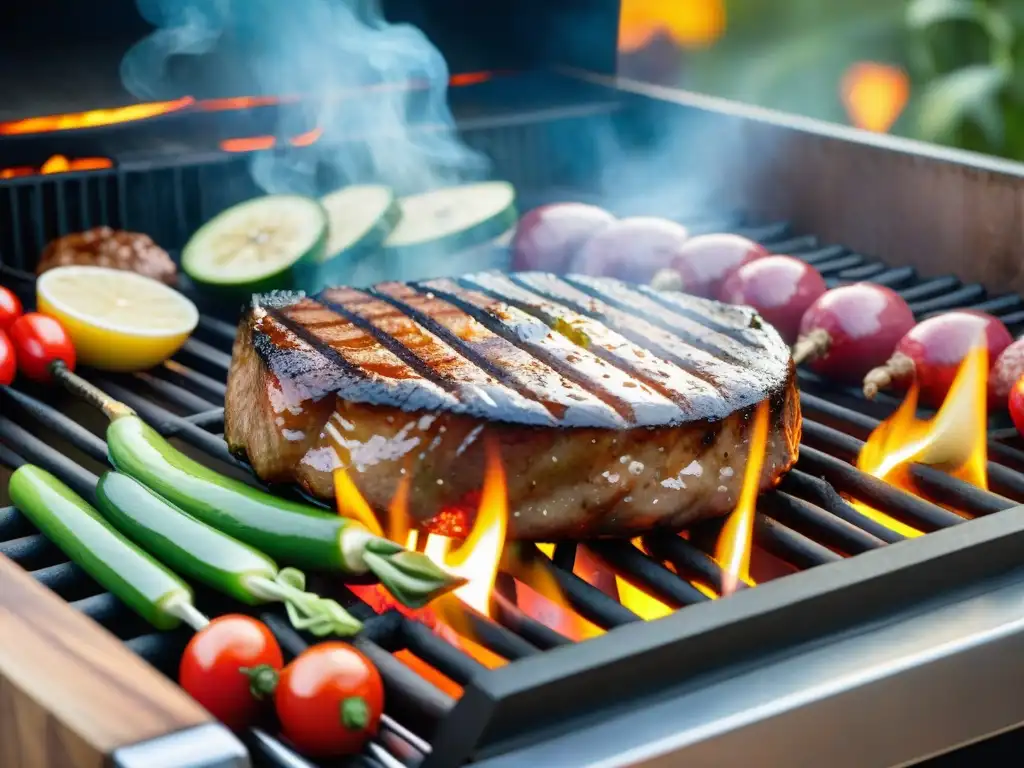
pixel 258 245
pixel 452 220
pixel 118 320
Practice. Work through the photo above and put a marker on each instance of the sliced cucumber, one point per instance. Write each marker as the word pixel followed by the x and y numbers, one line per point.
pixel 447 221
pixel 258 245
pixel 360 218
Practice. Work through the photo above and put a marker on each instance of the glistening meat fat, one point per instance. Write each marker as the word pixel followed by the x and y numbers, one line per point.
pixel 616 408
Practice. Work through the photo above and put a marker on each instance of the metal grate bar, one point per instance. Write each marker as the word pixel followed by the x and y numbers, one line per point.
pixel 633 565
pixel 893 501
pixel 789 545
pixel 806 518
pixel 74 433
pixel 688 560
pixel 36 451
pixel 825 496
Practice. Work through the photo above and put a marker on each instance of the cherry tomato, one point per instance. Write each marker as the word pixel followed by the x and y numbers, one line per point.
pixel 10 308
pixel 329 700
pixel 8 364
pixel 39 341
pixel 229 665
pixel 1017 404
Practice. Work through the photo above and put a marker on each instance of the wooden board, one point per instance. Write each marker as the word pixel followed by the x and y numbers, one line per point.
pixel 70 692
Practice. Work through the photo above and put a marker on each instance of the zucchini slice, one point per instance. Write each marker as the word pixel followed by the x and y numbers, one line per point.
pixel 265 243
pixel 449 221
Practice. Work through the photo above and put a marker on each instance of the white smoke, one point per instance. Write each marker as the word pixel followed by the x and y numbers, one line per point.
pixel 328 52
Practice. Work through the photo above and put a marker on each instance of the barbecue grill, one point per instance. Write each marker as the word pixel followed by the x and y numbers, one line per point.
pixel 856 648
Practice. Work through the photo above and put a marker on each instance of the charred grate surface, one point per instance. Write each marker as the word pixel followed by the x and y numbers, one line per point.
pixel 806 523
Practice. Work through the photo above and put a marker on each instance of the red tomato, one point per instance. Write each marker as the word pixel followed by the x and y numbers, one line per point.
pixel 226 668
pixel 329 700
pixel 1017 405
pixel 10 308
pixel 8 366
pixel 39 341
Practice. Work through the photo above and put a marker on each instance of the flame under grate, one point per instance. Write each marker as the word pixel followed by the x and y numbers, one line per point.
pixel 804 524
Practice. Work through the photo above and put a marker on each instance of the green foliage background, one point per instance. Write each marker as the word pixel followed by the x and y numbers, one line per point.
pixel 965 59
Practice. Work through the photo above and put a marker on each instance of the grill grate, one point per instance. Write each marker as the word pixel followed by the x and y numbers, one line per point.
pixel 804 524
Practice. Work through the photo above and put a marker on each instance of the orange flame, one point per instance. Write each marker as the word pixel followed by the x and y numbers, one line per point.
pixel 734 543
pixel 477 559
pixel 93 118
pixel 689 23
pixel 874 94
pixel 639 602
pixel 954 440
pixel 539 597
pixel 352 504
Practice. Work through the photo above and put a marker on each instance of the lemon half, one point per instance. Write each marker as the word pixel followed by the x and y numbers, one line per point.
pixel 118 321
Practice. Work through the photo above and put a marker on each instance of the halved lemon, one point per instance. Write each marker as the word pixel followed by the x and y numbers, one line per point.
pixel 119 321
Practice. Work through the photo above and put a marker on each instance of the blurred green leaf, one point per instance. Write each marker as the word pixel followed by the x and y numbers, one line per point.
pixel 925 13
pixel 969 94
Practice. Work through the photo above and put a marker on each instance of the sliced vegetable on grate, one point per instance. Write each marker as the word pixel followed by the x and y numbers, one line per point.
pixel 257 245
pixel 118 320
pixel 447 221
pixel 360 218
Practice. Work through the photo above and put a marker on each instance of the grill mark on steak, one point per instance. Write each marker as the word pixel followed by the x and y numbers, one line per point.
pixel 716 370
pixel 347 361
pixel 737 347
pixel 646 365
pixel 472 385
pixel 509 364
pixel 266 344
pixel 400 351
pixel 642 407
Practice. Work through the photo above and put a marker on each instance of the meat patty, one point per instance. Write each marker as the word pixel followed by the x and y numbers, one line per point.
pixel 616 408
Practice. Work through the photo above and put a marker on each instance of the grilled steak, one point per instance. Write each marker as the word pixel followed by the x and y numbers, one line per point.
pixel 616 408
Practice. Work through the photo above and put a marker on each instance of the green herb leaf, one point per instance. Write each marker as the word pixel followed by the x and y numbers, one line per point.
pixel 925 13
pixel 970 93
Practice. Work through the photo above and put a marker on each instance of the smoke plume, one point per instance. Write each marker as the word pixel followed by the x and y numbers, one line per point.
pixel 328 53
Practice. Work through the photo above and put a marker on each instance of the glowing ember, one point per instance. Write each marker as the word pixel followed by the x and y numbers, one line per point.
pixel 250 144
pixel 243 102
pixel 93 118
pixel 308 138
pixel 874 95
pixel 690 24
pixel 59 164
pixel 733 548
pixel 351 502
pixel 954 440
